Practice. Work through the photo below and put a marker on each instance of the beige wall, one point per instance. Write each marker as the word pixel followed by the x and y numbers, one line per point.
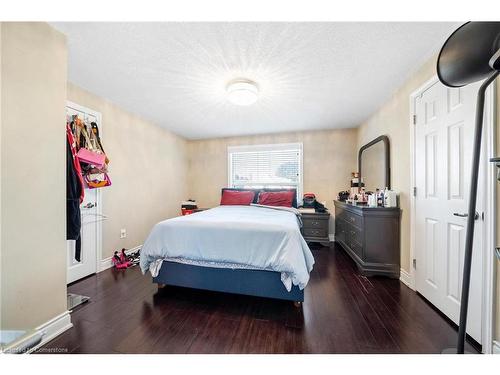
pixel 148 169
pixel 33 224
pixel 329 158
pixel 392 119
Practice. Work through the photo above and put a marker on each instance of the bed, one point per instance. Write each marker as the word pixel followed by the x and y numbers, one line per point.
pixel 252 250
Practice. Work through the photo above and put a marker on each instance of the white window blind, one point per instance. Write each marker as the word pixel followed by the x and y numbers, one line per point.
pixel 266 166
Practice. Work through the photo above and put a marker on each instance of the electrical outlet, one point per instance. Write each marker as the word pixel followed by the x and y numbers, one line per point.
pixel 123 233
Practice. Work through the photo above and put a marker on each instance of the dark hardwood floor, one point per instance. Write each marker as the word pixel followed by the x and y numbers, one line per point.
pixel 343 312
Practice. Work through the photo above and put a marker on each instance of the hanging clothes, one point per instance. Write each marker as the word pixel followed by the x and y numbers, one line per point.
pixel 76 163
pixel 74 196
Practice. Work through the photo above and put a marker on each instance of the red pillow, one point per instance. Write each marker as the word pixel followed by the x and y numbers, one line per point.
pixel 234 197
pixel 277 198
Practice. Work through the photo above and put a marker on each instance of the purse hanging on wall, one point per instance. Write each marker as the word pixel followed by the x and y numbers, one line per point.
pixel 90 154
pixel 90 157
pixel 97 180
pixel 97 137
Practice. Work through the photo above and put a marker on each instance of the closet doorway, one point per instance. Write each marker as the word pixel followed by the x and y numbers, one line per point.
pixel 443 128
pixel 91 216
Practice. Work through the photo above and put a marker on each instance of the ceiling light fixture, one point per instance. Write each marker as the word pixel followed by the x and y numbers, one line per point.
pixel 242 91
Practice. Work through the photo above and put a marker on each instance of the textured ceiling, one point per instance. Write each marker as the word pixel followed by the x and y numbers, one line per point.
pixel 311 75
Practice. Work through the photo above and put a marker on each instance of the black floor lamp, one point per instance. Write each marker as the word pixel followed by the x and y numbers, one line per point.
pixel 471 54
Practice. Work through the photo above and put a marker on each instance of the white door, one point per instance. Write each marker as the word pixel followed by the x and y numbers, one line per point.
pixel 91 216
pixel 443 151
pixel 87 265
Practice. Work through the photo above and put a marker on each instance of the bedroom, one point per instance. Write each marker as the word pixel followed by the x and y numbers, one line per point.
pixel 279 132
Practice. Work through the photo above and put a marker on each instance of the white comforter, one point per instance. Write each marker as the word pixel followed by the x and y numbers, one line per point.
pixel 249 237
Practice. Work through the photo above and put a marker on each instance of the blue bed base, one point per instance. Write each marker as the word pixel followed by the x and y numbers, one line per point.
pixel 239 281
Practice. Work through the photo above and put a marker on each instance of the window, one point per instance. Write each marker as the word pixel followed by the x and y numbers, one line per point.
pixel 266 166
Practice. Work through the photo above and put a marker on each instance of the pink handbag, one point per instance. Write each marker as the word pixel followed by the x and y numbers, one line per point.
pixel 91 157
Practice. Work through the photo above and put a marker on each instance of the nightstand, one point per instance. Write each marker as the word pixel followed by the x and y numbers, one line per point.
pixel 315 227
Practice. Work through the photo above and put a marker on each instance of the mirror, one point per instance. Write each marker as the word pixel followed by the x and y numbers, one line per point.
pixel 374 164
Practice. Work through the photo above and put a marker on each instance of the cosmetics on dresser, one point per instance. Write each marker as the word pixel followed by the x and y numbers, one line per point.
pixel 390 198
pixel 343 196
pixel 380 199
pixel 362 197
pixel 372 200
pixel 356 185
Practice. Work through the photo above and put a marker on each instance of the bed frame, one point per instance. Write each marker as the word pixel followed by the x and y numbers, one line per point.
pixel 239 281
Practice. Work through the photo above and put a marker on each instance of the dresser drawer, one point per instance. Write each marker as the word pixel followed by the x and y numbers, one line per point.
pixel 353 219
pixel 340 230
pixel 315 223
pixel 357 248
pixel 315 226
pixel 340 214
pixel 354 233
pixel 311 232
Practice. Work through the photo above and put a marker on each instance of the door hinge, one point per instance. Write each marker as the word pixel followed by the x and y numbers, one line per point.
pixel 414 191
pixel 414 119
pixel 414 263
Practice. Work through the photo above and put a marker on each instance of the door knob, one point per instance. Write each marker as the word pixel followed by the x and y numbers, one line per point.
pixel 497 252
pixel 476 215
pixel 90 205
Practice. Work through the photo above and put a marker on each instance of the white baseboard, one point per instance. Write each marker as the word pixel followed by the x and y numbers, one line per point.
pixel 331 237
pixel 496 347
pixel 108 263
pixel 406 279
pixel 54 328
pixel 50 330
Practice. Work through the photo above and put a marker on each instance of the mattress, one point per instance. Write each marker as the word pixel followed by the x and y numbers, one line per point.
pixel 245 237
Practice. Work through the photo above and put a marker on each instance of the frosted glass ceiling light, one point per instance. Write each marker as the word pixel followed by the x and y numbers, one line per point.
pixel 242 92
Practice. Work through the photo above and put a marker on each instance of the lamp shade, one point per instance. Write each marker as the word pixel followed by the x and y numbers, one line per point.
pixel 465 56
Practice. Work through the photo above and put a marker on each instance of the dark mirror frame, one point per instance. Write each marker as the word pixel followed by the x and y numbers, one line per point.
pixel 385 139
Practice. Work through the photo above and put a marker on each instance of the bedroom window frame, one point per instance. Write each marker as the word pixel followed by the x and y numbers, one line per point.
pixel 268 147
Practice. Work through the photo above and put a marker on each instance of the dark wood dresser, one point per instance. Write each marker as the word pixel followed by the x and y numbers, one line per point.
pixel 315 227
pixel 371 237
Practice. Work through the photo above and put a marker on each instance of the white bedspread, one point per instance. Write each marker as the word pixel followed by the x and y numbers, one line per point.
pixel 250 237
